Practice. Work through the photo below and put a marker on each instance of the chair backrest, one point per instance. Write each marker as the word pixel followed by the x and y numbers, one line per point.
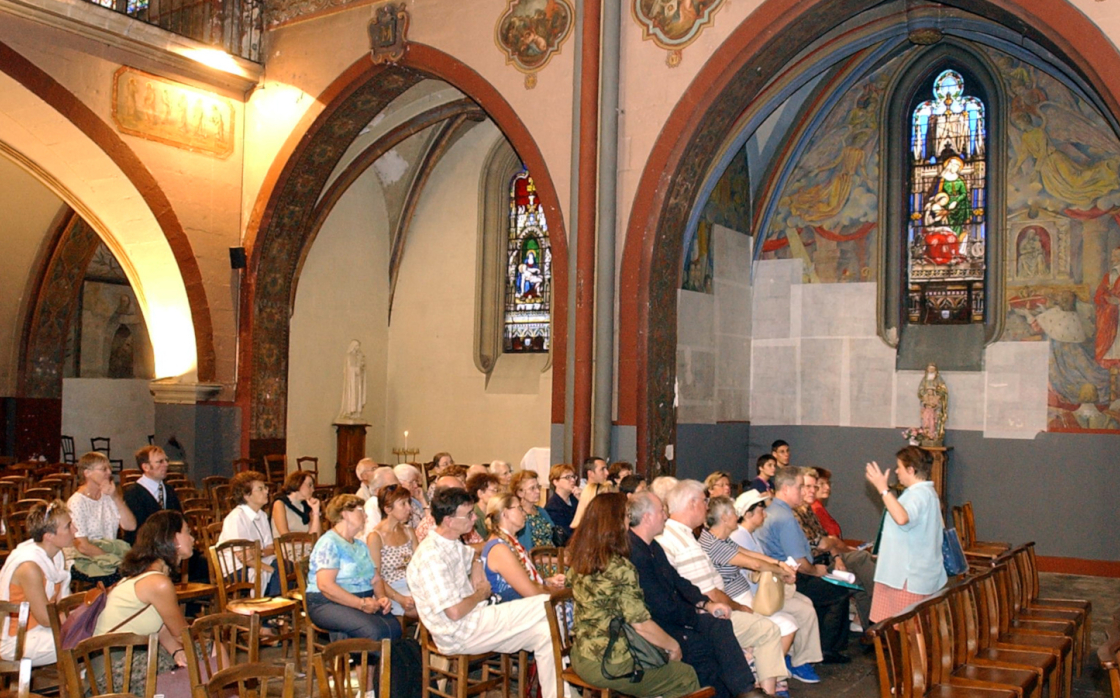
pixel 87 667
pixel 255 680
pixel 210 481
pixel 275 467
pixel 237 570
pixel 560 608
pixel 42 492
pixel 302 567
pixel 68 450
pixel 233 639
pixel 290 549
pixel 308 463
pixel 969 520
pixel 59 610
pixel 333 667
pixel 102 444
pixel 220 499
pixel 548 560
pixel 19 614
pixel 15 526
pixel 24 505
pixel 194 503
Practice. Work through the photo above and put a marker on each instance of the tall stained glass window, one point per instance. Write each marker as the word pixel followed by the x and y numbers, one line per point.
pixel 946 262
pixel 528 297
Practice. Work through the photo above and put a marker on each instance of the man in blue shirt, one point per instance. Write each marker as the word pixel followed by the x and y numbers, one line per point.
pixel 782 538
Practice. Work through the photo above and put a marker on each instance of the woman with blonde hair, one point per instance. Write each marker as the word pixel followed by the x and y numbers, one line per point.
pixel 510 571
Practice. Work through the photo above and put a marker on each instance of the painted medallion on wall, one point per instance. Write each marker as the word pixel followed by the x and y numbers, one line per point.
pixel 530 32
pixel 388 33
pixel 172 113
pixel 674 24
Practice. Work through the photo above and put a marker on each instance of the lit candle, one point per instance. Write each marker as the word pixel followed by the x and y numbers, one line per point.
pixel 406 441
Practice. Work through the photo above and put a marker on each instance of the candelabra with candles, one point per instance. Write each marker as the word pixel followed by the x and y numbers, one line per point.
pixel 406 454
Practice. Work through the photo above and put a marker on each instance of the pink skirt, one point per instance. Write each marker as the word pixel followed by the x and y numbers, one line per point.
pixel 887 601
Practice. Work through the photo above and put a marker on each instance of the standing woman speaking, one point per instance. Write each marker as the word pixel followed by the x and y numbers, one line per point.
pixel 911 566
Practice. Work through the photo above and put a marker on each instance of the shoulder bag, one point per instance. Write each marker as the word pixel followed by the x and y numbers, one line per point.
pixel 644 653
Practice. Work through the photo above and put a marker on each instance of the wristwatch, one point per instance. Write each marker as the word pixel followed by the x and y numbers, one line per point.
pixel 885 492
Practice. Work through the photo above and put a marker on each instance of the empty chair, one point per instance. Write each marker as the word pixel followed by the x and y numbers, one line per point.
pixel 255 680
pixel 233 639
pixel 102 444
pixel 369 657
pixel 68 455
pixel 84 667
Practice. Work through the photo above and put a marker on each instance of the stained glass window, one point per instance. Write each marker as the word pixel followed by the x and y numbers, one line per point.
pixel 946 262
pixel 528 298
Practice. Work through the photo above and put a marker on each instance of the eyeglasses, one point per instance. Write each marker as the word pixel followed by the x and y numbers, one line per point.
pixel 471 515
pixel 569 476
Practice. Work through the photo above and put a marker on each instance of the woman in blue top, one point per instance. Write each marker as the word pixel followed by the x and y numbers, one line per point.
pixel 538 524
pixel 512 575
pixel 340 579
pixel 910 566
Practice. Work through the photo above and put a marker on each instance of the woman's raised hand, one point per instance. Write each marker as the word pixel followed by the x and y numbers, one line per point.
pixel 877 476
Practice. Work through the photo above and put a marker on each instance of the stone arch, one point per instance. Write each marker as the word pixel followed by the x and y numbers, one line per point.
pixel 280 232
pixel 47 130
pixel 692 138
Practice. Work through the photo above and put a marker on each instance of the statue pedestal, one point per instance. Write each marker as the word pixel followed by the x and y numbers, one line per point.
pixel 351 448
pixel 940 457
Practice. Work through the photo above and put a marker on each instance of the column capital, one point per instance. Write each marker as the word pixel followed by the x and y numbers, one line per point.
pixel 172 391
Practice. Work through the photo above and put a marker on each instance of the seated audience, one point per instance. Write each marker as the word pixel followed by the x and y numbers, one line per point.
pixel 632 484
pixel 440 461
pixel 510 572
pixel 429 522
pixel 801 640
pixel 617 471
pixel 824 491
pixel 36 572
pixel 824 547
pixel 538 525
pixel 767 465
pixel 150 493
pixel 482 486
pixel 383 476
pixel 718 484
pixel 688 511
pixel 780 450
pixel 98 510
pixel 661 486
pixel 145 600
pixel 455 602
pixel 391 544
pixel 605 586
pixel 409 477
pixel 911 566
pixel 561 506
pixel 364 470
pixel 296 510
pixel 700 625
pixel 501 470
pixel 341 576
pixel 248 521
pixel 782 538
pixel 597 476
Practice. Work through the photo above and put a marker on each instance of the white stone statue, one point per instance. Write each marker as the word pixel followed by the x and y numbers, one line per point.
pixel 353 385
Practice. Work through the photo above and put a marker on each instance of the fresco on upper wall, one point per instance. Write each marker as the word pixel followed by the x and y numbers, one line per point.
pixel 673 24
pixel 730 206
pixel 1063 243
pixel 530 32
pixel 827 212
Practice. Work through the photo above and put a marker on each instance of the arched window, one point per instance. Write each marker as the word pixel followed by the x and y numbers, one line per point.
pixel 528 293
pixel 946 242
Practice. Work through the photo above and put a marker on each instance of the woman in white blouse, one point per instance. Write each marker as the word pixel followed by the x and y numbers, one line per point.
pixel 98 511
pixel 249 521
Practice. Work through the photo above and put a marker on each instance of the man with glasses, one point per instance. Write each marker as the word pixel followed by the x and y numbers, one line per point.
pixel 150 493
pixel 561 506
pixel 455 602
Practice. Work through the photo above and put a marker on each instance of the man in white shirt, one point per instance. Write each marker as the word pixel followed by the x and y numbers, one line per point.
pixel 455 602
pixel 382 477
pixel 364 470
pixel 150 493
pixel 687 510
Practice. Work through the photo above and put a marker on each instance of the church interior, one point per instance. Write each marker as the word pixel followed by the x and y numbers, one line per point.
pixel 666 233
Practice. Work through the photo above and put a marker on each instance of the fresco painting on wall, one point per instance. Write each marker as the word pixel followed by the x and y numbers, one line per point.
pixel 831 199
pixel 1063 197
pixel 728 205
pixel 530 32
pixel 114 338
pixel 674 24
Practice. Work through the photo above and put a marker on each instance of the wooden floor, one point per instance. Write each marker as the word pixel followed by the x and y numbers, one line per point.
pixel 859 680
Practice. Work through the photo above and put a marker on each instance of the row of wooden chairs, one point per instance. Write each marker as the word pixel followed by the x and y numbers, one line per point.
pixel 1109 654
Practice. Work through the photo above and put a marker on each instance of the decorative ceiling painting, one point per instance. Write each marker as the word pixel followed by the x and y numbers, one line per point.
pixel 530 32
pixel 674 24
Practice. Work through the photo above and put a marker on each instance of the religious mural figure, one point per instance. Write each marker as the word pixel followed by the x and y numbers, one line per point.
pixel 1033 254
pixel 933 397
pixel 529 277
pixel 530 32
pixel 353 385
pixel 1069 330
pixel 673 24
pixel 528 293
pixel 1107 301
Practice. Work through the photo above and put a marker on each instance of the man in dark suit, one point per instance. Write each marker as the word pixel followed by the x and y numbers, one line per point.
pixel 150 493
pixel 700 625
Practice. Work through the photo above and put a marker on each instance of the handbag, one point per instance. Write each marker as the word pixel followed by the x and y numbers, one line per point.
pixel 771 593
pixel 81 622
pixel 644 653
pixel 953 553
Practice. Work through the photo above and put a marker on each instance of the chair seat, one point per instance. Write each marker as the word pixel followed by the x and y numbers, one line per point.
pixel 946 691
pixel 267 606
pixel 1024 680
pixel 188 591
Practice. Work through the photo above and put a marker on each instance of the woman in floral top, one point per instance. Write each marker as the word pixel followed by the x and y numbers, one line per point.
pixel 605 586
pixel 538 524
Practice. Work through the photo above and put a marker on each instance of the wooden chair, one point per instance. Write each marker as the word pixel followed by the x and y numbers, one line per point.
pixel 974 646
pixel 974 551
pixel 68 456
pixel 332 668
pixel 275 467
pixel 46 494
pixel 309 464
pixel 290 549
pixel 21 612
pixel 1079 610
pixel 907 669
pixel 221 500
pixel 211 481
pixel 79 665
pixel 548 560
pixel 239 588
pixel 102 444
pixel 1109 656
pixel 230 636
pixel 59 610
pixel 1023 618
pixel 315 638
pixel 198 592
pixel 455 672
pixel 255 680
pixel 193 503
pixel 560 612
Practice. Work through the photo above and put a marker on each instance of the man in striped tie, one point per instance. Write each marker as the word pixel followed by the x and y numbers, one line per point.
pixel 150 493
